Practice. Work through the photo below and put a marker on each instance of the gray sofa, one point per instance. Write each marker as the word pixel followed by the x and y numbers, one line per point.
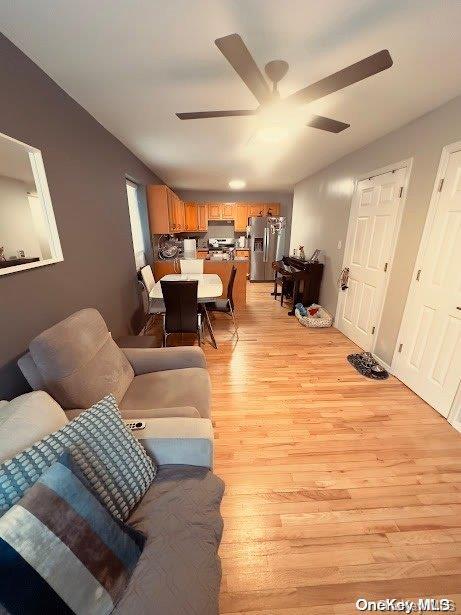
pixel 77 362
pixel 179 571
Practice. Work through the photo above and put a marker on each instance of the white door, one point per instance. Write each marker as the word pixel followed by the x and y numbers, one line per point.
pixel 428 354
pixel 375 211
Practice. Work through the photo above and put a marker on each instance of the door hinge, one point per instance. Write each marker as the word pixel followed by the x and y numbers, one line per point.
pixel 442 181
pixel 373 329
pixel 385 266
pixel 418 275
pixel 400 347
pixel 401 192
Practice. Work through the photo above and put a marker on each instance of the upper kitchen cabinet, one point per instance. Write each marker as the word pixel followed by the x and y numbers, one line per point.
pixel 191 216
pixel 202 216
pixel 227 211
pixel 241 216
pixel 272 209
pixel 214 211
pixel 256 209
pixel 263 209
pixel 166 210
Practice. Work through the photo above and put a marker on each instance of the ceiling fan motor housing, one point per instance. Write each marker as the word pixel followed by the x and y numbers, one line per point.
pixel 276 70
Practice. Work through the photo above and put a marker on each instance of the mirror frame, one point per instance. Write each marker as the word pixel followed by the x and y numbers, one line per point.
pixel 41 183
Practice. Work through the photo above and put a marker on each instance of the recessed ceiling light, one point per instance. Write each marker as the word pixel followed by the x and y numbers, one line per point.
pixel 237 184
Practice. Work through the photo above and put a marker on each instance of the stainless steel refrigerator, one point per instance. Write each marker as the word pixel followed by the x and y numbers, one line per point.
pixel 267 244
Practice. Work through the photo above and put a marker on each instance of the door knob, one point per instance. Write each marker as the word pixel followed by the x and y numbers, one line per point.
pixel 458 307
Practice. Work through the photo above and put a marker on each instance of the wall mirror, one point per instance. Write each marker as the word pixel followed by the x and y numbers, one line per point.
pixel 28 233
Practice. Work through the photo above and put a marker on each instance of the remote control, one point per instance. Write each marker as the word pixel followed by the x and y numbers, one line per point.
pixel 135 425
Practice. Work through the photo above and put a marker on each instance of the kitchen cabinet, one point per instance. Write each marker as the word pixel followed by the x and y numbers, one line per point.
pixel 179 216
pixel 241 217
pixel 227 211
pixel 256 209
pixel 214 211
pixel 191 216
pixel 263 209
pixel 272 209
pixel 165 210
pixel 202 216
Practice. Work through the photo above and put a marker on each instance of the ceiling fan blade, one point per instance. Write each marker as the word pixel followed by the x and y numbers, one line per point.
pixel 236 53
pixel 326 123
pixel 347 76
pixel 201 115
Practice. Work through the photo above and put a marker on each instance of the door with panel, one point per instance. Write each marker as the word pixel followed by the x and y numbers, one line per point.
pixel 227 211
pixel 374 214
pixel 428 354
pixel 191 216
pixel 255 209
pixel 214 211
pixel 179 214
pixel 241 217
pixel 202 214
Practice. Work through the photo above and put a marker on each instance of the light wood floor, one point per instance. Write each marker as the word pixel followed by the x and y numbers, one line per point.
pixel 337 487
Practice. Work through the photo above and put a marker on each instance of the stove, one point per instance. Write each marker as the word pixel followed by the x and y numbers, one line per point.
pixel 221 248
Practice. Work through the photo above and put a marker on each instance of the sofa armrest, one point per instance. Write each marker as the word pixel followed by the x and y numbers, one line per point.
pixel 177 440
pixel 147 360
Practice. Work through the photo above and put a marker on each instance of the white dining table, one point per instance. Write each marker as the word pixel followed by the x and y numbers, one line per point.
pixel 209 285
pixel 209 288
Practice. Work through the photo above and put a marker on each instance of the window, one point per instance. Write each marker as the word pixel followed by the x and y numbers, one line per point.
pixel 139 240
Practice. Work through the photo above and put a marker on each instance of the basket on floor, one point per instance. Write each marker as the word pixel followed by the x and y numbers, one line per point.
pixel 325 319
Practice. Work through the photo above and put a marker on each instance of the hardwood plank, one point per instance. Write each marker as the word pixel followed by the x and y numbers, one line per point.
pixel 336 486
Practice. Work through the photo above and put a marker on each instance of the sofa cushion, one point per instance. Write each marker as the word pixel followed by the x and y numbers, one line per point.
pixel 79 361
pixel 179 572
pixel 26 419
pixel 175 387
pixel 63 549
pixel 110 457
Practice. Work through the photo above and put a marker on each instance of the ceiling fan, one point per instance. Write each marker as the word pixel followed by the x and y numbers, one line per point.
pixel 236 53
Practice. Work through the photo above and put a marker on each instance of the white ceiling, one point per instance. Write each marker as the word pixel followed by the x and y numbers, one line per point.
pixel 134 63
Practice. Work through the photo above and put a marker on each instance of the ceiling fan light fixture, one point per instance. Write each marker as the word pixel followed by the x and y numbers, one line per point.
pixel 237 184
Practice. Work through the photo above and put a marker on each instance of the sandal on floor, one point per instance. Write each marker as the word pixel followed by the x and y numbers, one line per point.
pixel 367 365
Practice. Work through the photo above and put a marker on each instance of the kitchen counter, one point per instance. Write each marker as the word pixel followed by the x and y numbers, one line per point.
pixel 221 268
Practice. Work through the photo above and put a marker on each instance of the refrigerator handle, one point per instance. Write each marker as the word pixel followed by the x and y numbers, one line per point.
pixel 266 245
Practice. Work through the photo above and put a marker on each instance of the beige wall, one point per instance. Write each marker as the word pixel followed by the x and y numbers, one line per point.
pixel 322 201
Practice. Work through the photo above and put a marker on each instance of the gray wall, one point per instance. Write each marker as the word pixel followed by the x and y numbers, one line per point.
pixel 284 198
pixel 322 201
pixel 86 167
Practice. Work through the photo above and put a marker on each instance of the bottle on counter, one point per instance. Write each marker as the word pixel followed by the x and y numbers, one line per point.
pixel 302 254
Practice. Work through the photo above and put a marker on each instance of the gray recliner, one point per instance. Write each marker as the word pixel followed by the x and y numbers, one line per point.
pixel 78 363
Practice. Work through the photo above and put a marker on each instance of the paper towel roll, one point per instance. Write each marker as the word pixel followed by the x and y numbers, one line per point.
pixel 190 248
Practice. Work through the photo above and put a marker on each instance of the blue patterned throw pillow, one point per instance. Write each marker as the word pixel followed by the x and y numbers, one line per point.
pixel 112 460
pixel 61 551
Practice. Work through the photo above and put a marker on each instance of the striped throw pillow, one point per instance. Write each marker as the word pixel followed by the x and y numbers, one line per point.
pixel 61 551
pixel 112 460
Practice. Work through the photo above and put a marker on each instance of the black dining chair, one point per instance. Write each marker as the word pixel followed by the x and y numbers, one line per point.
pixel 226 306
pixel 181 308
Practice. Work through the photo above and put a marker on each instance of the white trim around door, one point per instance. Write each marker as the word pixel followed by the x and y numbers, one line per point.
pixel 375 217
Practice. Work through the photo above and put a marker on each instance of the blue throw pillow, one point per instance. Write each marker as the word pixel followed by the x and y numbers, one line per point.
pixel 112 460
pixel 61 551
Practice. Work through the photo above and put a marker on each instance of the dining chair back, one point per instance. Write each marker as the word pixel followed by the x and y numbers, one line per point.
pixel 226 306
pixel 193 265
pixel 230 287
pixel 181 308
pixel 148 278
